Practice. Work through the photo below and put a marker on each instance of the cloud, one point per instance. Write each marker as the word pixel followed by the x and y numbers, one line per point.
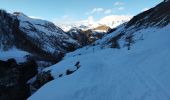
pixel 121 8
pixel 35 17
pixel 99 11
pixel 66 24
pixel 90 19
pixel 119 3
pixel 144 9
pixel 108 11
pixel 95 10
pixel 65 19
pixel 86 22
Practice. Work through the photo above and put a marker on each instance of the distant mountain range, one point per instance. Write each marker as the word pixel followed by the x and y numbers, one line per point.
pixel 111 21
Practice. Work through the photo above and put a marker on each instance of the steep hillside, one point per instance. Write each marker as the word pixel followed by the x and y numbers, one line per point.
pixel 39 38
pixel 50 37
pixel 136 69
pixel 31 44
pixel 157 16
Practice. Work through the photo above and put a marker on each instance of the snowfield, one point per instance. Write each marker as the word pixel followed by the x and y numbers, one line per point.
pixel 17 54
pixel 141 73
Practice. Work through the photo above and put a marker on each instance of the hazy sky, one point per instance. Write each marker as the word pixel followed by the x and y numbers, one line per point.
pixel 76 9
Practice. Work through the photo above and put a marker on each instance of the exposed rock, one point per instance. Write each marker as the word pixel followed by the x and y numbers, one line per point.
pixel 85 37
pixel 13 78
pixel 69 71
pixel 41 79
pixel 103 28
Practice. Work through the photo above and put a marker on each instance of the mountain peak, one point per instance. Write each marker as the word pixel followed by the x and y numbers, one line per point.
pixel 19 14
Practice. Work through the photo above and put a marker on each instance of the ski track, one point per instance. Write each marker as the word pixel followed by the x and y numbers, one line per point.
pixel 153 84
pixel 155 88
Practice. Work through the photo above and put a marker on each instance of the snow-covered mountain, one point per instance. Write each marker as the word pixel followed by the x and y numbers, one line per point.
pixel 37 37
pixel 112 21
pixel 131 63
pixel 50 36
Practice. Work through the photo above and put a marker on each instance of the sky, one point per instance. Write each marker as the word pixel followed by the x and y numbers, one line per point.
pixel 73 10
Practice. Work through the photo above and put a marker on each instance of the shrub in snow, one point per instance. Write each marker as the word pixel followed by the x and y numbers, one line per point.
pixel 129 41
pixel 41 79
pixel 44 77
pixel 77 65
pixel 114 41
pixel 68 72
pixel 60 75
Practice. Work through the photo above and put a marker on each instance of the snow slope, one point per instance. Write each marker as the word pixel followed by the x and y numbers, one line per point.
pixel 141 73
pixel 15 53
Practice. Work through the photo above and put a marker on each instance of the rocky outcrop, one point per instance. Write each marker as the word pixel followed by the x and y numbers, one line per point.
pixel 14 77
